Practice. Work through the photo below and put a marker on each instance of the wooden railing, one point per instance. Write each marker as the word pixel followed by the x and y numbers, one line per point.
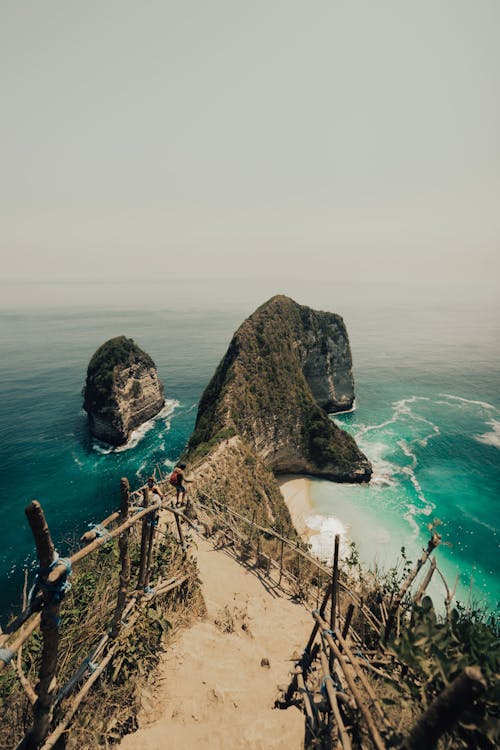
pixel 52 580
pixel 335 647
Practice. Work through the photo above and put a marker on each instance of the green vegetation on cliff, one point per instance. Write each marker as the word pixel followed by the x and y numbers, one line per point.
pixel 260 391
pixel 117 352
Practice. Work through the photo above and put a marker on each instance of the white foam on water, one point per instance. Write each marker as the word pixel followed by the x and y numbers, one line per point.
pixel 137 435
pixel 322 543
pixel 383 471
pixel 363 429
pixel 102 448
pixel 169 463
pixel 483 404
pixel 490 438
pixel 139 471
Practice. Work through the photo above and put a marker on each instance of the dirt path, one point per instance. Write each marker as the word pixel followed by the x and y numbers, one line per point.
pixel 213 692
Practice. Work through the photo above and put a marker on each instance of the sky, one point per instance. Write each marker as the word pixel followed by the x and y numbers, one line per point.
pixel 244 140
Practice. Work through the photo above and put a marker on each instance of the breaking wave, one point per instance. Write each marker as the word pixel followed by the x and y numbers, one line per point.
pixel 137 435
pixel 492 437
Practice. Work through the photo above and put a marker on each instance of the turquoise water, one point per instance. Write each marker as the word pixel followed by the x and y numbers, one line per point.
pixel 427 416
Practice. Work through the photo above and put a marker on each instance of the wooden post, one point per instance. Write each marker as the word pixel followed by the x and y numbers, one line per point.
pixel 434 541
pixel 335 581
pixel 445 710
pixel 49 626
pixel 146 528
pixel 348 618
pixel 362 624
pixel 181 535
pixel 281 558
pixel 124 560
pixel 427 579
pixel 153 521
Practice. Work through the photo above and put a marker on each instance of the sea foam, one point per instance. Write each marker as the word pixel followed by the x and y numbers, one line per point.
pixel 137 435
pixel 492 437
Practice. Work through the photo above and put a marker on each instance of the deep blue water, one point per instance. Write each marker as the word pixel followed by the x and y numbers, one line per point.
pixel 418 369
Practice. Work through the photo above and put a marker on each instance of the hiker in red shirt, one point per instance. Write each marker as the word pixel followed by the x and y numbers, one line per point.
pixel 177 480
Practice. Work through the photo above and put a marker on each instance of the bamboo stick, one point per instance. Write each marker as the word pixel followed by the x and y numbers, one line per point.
pixel 124 560
pixel 56 734
pixel 82 669
pixel 332 698
pixel 434 542
pixel 368 665
pixel 282 546
pixel 423 586
pixel 372 728
pixel 27 686
pixel 146 528
pixel 149 556
pixel 347 621
pixel 361 676
pixel 307 701
pixel 449 594
pixel 335 579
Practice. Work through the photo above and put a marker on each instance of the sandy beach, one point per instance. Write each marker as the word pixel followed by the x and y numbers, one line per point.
pixel 296 491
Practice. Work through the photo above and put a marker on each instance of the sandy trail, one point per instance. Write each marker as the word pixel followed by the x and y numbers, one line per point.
pixel 213 692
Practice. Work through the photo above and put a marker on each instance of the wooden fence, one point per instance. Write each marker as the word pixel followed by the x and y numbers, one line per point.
pixel 42 610
pixel 338 652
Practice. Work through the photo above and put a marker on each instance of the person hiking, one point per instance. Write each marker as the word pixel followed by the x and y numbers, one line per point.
pixel 177 480
pixel 153 488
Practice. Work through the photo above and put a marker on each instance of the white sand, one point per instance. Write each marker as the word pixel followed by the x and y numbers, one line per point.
pixel 213 691
pixel 296 491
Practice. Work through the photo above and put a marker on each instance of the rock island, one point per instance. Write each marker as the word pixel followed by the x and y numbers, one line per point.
pixel 122 390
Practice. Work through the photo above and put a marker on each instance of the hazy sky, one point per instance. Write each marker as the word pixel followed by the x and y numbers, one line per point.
pixel 219 138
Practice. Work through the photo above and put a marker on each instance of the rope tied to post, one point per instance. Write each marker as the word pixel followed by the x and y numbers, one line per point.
pixel 99 530
pixel 59 588
pixel 6 655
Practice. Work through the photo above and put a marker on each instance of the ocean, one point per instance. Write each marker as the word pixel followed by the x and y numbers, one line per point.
pixel 426 364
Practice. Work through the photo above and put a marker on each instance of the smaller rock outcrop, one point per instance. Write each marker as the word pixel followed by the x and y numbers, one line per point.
pixel 122 390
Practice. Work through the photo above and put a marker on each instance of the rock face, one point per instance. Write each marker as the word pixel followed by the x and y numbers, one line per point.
pixel 122 390
pixel 286 367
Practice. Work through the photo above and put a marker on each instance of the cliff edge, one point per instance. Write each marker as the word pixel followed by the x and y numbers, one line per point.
pixel 286 367
pixel 122 390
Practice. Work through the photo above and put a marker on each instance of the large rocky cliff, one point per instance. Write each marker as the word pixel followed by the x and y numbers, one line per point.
pixel 122 390
pixel 285 368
